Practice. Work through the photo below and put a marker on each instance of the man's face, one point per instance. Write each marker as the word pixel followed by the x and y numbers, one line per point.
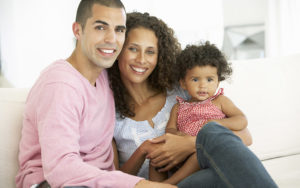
pixel 103 35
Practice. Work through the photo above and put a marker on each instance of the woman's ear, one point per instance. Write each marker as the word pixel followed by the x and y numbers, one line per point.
pixel 182 84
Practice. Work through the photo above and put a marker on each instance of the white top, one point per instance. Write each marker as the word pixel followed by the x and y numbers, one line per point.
pixel 130 134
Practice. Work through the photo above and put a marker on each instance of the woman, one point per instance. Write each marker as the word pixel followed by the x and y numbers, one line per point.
pixel 142 81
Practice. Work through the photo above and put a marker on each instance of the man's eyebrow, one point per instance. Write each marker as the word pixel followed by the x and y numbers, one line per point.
pixel 121 27
pixel 105 23
pixel 101 22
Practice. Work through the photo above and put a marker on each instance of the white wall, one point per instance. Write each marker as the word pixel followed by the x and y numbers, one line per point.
pixel 192 20
pixel 242 12
pixel 34 33
pixel 283 28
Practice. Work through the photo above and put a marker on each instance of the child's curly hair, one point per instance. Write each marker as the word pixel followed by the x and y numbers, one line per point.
pixel 162 76
pixel 202 55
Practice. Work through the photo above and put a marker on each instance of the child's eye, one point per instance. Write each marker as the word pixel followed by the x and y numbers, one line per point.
pixel 209 79
pixel 195 79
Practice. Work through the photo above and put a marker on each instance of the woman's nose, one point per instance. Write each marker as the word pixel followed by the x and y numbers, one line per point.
pixel 141 58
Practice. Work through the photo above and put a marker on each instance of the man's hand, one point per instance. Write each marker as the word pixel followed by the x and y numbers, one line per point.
pixel 174 150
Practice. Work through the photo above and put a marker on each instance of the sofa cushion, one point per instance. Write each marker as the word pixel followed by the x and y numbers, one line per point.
pixel 284 170
pixel 12 102
pixel 268 93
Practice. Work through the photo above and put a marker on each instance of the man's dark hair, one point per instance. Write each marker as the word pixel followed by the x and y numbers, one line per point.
pixel 84 10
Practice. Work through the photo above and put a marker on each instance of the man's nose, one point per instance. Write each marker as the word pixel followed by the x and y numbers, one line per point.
pixel 110 36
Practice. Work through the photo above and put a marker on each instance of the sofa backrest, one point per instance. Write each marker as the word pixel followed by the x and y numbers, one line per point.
pixel 267 91
pixel 12 102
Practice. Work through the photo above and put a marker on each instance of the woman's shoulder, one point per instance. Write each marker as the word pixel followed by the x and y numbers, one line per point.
pixel 178 91
pixel 121 127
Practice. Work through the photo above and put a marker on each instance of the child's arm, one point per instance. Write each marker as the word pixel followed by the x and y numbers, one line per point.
pixel 190 166
pixel 155 175
pixel 236 120
pixel 172 123
pixel 135 162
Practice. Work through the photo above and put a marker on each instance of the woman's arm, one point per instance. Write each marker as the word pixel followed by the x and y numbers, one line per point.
pixel 135 162
pixel 173 150
pixel 176 149
pixel 116 155
pixel 245 136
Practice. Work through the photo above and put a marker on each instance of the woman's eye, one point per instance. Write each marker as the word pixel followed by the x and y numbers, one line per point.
pixel 150 52
pixel 132 49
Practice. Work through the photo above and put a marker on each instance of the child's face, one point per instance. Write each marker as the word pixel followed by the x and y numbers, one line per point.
pixel 201 82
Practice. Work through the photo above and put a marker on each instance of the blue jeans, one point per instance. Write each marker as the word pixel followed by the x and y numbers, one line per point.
pixel 225 162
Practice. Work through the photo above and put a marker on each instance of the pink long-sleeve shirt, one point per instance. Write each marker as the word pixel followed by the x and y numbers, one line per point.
pixel 67 132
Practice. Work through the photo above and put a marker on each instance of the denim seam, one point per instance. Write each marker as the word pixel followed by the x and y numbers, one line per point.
pixel 214 165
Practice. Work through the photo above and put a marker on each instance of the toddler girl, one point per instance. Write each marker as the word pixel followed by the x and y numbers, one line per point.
pixel 200 70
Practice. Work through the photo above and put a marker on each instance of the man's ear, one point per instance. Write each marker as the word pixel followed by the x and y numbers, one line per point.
pixel 182 84
pixel 77 30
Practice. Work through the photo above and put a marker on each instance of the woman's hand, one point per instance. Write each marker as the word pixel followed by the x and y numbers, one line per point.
pixel 148 147
pixel 174 150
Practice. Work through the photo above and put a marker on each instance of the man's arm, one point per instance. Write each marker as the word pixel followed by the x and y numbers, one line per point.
pixel 58 112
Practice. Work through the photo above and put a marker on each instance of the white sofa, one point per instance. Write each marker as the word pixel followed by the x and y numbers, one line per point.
pixel 267 90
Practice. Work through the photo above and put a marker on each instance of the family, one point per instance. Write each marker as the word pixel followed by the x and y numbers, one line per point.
pixel 129 108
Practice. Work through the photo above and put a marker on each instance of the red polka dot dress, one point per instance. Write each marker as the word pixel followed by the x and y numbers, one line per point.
pixel 192 115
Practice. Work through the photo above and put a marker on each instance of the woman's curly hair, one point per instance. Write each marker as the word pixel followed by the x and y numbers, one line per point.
pixel 162 77
pixel 202 55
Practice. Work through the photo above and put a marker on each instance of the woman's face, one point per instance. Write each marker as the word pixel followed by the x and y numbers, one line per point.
pixel 139 56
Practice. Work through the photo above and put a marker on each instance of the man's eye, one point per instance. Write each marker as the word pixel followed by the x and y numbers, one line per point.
pixel 120 30
pixel 99 27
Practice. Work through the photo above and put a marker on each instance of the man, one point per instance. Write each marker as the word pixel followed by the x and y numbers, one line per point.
pixel 69 118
